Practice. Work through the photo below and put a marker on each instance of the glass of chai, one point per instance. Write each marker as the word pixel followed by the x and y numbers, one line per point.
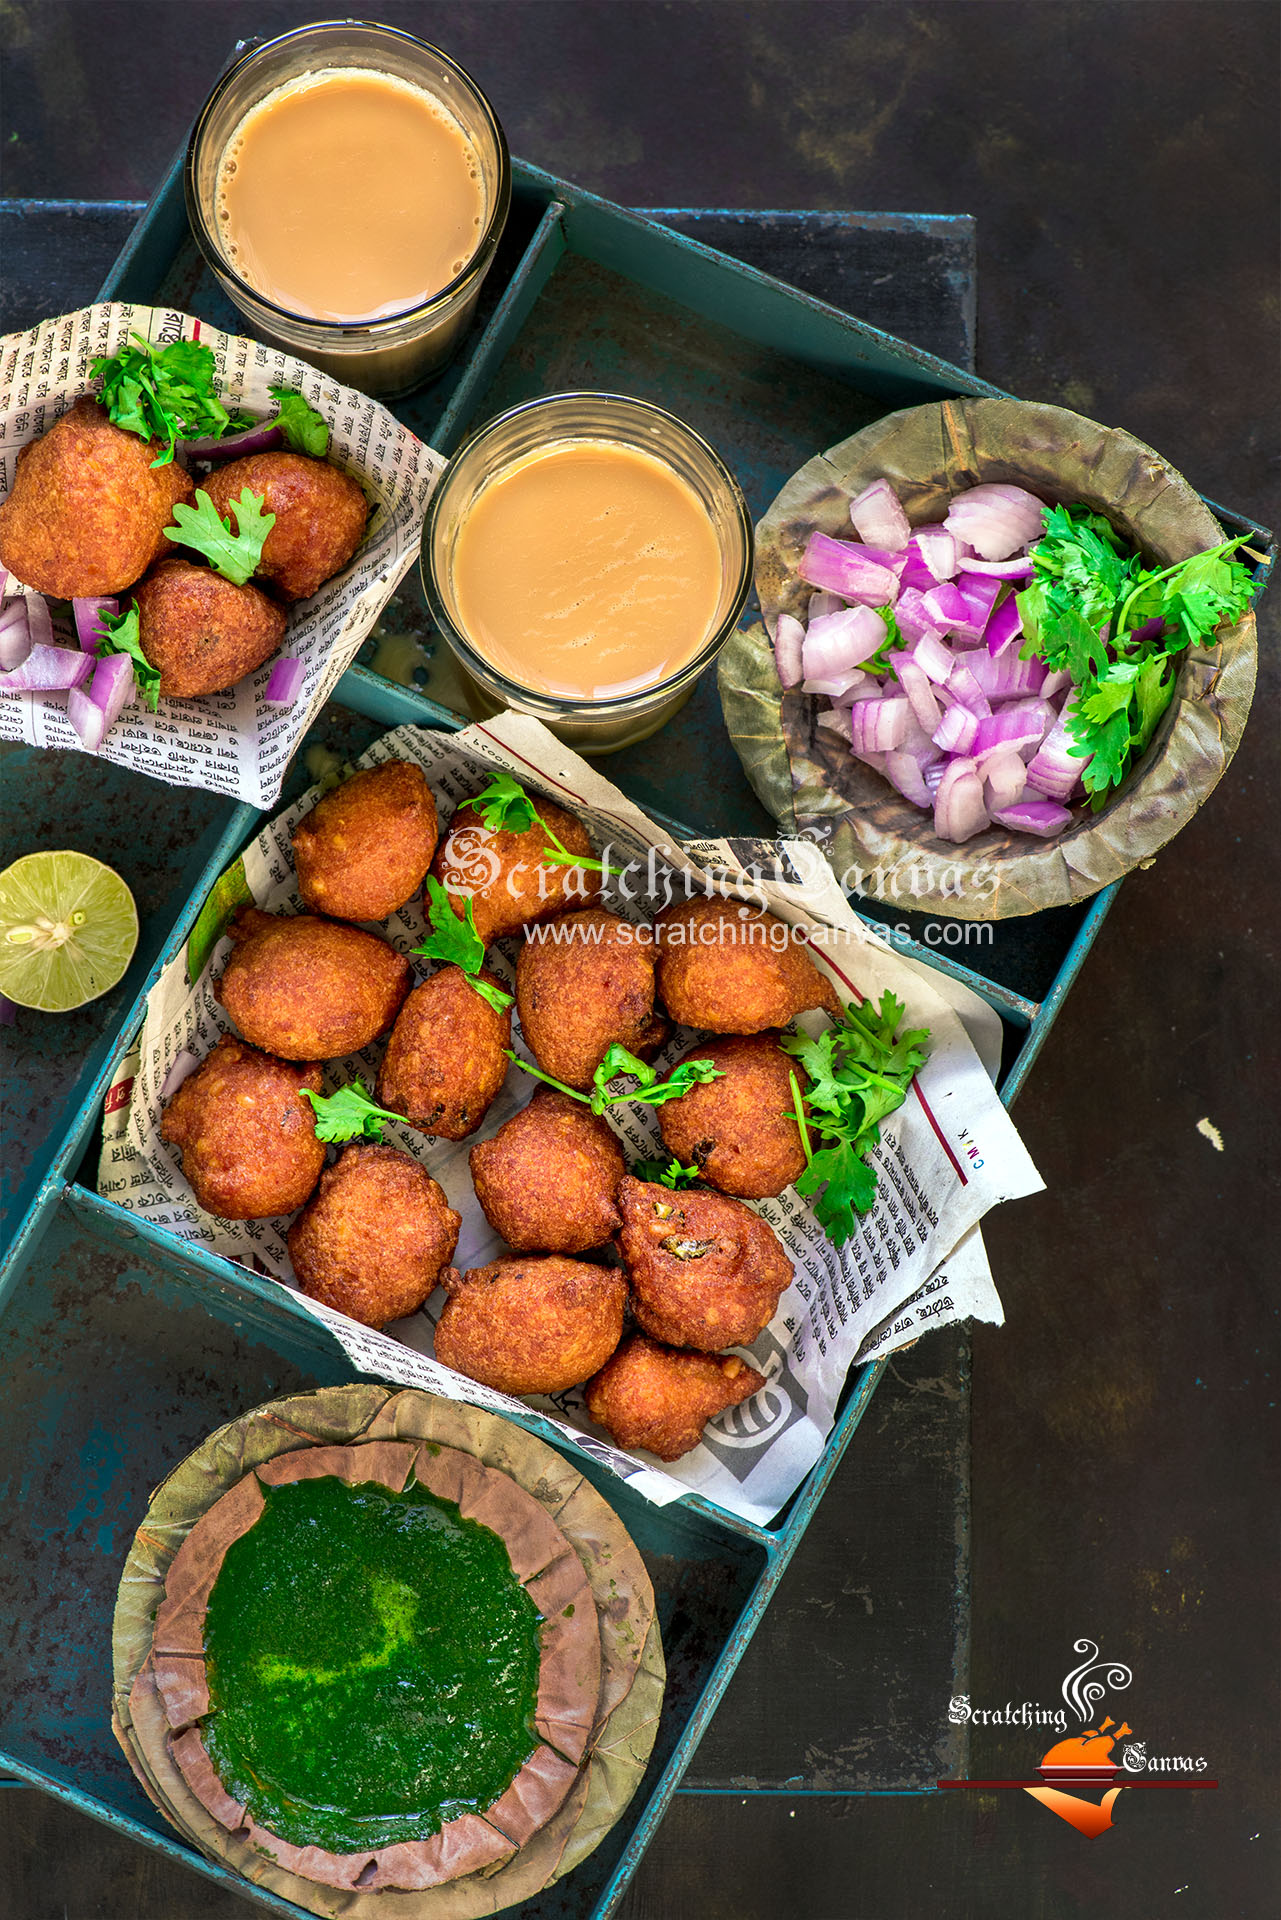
pixel 585 556
pixel 348 186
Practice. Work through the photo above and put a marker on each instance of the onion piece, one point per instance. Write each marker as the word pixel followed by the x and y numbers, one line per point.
pixel 834 685
pixel 87 717
pixel 955 732
pixel 916 685
pixel 878 726
pixel 876 761
pixel 879 518
pixel 1005 676
pixel 1019 724
pixel 904 771
pixel 89 612
pixel 1003 625
pixel 821 603
pixel 113 685
pixel 1041 817
pixel 933 658
pixel 48 670
pixel 959 812
pixel 996 519
pixel 40 620
pixel 788 638
pixel 1004 778
pixel 15 637
pixel 1053 683
pixel 262 437
pixel 841 640
pixel 285 683
pixel 963 686
pixel 860 686
pixel 913 616
pixel 980 595
pixel 1020 567
pixel 842 567
pixel 836 720
pixel 1054 769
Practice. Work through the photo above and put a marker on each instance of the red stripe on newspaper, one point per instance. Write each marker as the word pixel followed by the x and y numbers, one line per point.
pixel 939 1134
pixel 118 1096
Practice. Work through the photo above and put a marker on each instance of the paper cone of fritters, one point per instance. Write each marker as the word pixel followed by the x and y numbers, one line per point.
pixel 600 1688
pixel 807 777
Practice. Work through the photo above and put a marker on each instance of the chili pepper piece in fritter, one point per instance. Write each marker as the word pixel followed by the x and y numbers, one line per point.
pixel 320 516
pixel 661 1398
pixel 705 1270
pixel 548 1179
pixel 203 632
pixel 87 510
pixel 731 968
pixel 248 1138
pixel 364 848
pixel 503 875
pixel 445 1061
pixel 533 1325
pixel 373 1240
pixel 310 989
pixel 579 994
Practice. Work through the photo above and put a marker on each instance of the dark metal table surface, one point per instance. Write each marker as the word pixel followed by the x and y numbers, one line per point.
pixel 1121 161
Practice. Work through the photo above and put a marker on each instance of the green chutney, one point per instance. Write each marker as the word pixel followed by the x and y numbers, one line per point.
pixel 373 1665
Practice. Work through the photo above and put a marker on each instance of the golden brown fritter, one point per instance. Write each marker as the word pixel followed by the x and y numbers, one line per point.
pixel 736 1130
pixel 320 516
pixel 661 1398
pixel 548 1179
pixel 581 993
pixel 310 989
pixel 705 1271
pixel 732 969
pixel 445 1062
pixel 531 1326
pixel 363 850
pixel 203 632
pixel 88 510
pixel 501 873
pixel 248 1138
pixel 374 1239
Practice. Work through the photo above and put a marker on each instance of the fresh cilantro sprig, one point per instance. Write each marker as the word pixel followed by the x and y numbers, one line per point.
pixel 665 1174
pixel 349 1114
pixel 859 1069
pixel 504 804
pixel 618 1062
pixel 236 556
pixel 1118 628
pixel 120 635
pixel 162 393
pixel 453 938
pixel 302 426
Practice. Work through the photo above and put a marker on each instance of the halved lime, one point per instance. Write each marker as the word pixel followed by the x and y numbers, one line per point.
pixel 68 929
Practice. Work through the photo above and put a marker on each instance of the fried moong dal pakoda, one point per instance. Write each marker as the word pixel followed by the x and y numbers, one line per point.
pixel 661 1398
pixel 320 516
pixel 737 1130
pixel 203 632
pixel 705 1270
pixel 310 989
pixel 363 850
pixel 503 874
pixel 731 968
pixel 548 1179
pixel 531 1326
pixel 373 1240
pixel 445 1061
pixel 248 1138
pixel 584 985
pixel 87 510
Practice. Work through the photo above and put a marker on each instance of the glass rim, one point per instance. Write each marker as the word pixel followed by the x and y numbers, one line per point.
pixel 561 704
pixel 207 239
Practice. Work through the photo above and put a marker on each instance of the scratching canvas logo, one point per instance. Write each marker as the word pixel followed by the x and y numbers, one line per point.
pixel 1082 1765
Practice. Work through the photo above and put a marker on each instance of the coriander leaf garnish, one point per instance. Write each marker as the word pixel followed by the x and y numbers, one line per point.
pixel 202 528
pixel 302 426
pixel 651 1091
pixel 665 1174
pixel 163 393
pixel 453 939
pixel 349 1114
pixel 503 804
pixel 120 635
pixel 859 1070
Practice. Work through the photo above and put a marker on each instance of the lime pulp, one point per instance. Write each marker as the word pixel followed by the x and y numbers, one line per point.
pixel 68 930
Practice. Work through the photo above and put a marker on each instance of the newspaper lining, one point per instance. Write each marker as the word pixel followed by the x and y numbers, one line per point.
pixel 946 1156
pixel 233 742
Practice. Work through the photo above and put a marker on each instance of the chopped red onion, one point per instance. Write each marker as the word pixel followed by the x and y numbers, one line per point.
pixel 1020 723
pixel 933 658
pixel 842 567
pixel 1004 778
pixel 837 721
pixel 878 726
pixel 15 637
pixel 959 812
pixel 788 638
pixel 946 607
pixel 835 685
pixel 861 687
pixel 1055 770
pixel 956 731
pixel 996 519
pixel 879 519
pixel 933 772
pixel 89 612
pixel 914 618
pixel 1004 624
pixel 904 771
pixel 963 686
pixel 1020 567
pixel 937 550
pixel 980 595
pixel 1041 817
pixel 285 683
pixel 821 603
pixel 87 717
pixel 1053 683
pixel 40 620
pixel 113 685
pixel 1005 677
pixel 876 761
pixel 917 687
pixel 263 437
pixel 48 670
pixel 841 640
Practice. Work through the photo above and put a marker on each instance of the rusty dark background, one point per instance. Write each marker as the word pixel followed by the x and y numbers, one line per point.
pixel 1121 162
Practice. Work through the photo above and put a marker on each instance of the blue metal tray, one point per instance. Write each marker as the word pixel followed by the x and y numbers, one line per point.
pixel 584 294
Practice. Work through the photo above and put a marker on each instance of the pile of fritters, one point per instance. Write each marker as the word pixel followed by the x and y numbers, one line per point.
pixel 622 1286
pixel 87 515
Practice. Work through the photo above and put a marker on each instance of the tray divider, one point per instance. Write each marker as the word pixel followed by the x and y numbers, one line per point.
pixel 1048 1011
